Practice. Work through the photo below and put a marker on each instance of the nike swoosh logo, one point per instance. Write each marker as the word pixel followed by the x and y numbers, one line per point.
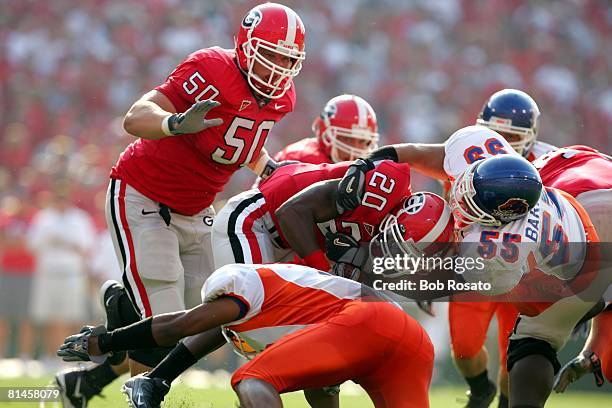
pixel 349 188
pixel 340 243
pixel 148 212
pixel 277 106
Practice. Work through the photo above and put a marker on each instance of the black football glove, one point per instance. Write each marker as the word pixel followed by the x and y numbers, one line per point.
pixel 193 119
pixel 76 347
pixel 580 365
pixel 348 255
pixel 352 186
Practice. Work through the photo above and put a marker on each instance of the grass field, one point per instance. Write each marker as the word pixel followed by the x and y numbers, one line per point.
pixel 183 396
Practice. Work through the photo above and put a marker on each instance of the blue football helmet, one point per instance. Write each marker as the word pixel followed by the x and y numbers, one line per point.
pixel 512 112
pixel 496 191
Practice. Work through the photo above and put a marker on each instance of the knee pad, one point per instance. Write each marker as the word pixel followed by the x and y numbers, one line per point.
pixel 149 357
pixel 521 348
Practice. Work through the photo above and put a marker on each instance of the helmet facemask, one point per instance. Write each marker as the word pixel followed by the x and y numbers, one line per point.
pixel 527 136
pixel 279 80
pixel 333 135
pixel 464 207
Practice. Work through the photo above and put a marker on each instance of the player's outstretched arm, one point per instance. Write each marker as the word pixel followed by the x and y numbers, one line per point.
pixel 158 331
pixel 427 158
pixel 154 117
pixel 298 217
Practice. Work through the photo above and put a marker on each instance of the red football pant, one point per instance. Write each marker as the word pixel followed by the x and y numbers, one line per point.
pixel 374 344
pixel 469 322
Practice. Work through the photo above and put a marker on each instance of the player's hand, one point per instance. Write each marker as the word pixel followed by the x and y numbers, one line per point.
pixel 272 165
pixel 348 255
pixel 193 120
pixel 77 348
pixel 579 366
pixel 427 307
pixel 352 186
pixel 347 271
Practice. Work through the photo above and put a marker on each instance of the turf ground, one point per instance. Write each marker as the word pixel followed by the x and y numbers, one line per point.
pixel 183 396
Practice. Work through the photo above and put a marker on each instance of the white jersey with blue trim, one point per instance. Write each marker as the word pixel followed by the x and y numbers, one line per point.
pixel 536 240
pixel 470 144
pixel 550 238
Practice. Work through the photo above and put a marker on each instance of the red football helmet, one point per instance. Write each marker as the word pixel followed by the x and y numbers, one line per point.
pixel 422 225
pixel 274 28
pixel 347 119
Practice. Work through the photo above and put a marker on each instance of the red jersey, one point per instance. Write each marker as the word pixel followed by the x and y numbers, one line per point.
pixel 186 172
pixel 575 170
pixel 307 150
pixel 386 187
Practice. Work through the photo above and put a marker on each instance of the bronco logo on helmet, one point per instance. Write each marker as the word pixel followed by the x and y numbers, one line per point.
pixel 511 209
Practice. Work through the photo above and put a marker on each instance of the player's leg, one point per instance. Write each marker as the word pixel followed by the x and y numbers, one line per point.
pixel 532 351
pixel 469 322
pixel 506 315
pixel 357 343
pixel 148 252
pixel 600 341
pixel 413 359
pixel 239 231
pixel 197 255
pixel 154 386
pixel 254 393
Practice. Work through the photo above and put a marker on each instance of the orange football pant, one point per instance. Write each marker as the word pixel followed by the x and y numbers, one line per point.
pixel 469 322
pixel 375 344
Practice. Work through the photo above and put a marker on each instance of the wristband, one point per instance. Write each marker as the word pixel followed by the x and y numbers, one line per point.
pixel 165 126
pixel 317 260
pixel 261 164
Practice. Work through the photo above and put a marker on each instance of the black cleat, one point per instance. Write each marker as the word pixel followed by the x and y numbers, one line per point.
pixel 75 389
pixel 482 400
pixel 110 295
pixel 145 392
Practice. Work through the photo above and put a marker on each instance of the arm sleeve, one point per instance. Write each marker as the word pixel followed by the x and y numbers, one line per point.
pixel 237 281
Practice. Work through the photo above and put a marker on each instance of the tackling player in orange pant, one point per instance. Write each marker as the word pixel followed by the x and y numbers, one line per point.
pixel 307 330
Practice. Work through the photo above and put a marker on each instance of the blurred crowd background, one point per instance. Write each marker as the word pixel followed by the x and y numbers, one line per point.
pixel 69 70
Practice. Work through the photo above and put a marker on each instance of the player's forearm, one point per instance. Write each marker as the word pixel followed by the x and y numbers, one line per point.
pixel 144 120
pixel 297 225
pixel 425 158
pixel 167 329
pixel 258 165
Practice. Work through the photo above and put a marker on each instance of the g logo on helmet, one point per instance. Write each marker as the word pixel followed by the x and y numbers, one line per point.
pixel 513 208
pixel 415 203
pixel 330 111
pixel 252 19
